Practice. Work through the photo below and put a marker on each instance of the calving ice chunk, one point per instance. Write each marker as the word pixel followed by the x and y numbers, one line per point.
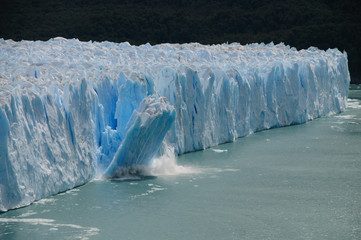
pixel 144 135
pixel 71 110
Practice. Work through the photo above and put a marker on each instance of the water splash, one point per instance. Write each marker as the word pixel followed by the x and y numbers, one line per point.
pixel 166 165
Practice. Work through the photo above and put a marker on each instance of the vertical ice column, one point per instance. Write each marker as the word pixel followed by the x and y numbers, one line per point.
pixel 145 132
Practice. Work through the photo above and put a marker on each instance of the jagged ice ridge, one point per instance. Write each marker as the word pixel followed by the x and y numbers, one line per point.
pixel 71 110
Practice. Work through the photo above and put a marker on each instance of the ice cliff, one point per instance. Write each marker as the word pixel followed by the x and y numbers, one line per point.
pixel 70 110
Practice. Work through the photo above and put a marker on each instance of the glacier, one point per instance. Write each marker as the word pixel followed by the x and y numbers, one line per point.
pixel 71 111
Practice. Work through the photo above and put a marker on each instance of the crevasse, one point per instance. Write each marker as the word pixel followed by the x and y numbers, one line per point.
pixel 71 110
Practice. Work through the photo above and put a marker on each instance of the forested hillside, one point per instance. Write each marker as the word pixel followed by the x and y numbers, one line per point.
pixel 321 23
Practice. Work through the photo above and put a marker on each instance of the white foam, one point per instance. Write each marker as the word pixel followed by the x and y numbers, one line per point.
pixel 150 191
pixel 86 232
pixel 220 170
pixel 46 201
pixel 354 103
pixel 346 116
pixel 27 214
pixel 337 128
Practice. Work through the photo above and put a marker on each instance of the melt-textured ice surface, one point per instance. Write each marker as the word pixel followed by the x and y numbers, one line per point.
pixel 66 106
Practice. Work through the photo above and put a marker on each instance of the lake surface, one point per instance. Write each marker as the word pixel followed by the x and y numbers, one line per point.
pixel 298 182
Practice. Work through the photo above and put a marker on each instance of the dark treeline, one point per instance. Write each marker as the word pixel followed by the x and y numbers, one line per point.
pixel 321 23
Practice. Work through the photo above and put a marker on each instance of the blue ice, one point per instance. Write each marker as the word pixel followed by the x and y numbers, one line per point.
pixel 70 110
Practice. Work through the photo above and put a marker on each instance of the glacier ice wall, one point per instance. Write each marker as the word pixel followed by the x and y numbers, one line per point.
pixel 69 108
pixel 218 104
pixel 45 148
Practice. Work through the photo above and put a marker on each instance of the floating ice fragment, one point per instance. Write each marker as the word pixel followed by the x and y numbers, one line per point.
pixel 219 150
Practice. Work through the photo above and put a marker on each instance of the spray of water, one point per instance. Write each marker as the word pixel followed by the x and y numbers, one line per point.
pixel 164 165
pixel 167 164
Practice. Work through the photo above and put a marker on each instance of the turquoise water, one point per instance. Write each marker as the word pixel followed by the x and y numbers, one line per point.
pixel 298 182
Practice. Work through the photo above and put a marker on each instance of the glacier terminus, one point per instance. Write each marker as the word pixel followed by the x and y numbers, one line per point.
pixel 71 111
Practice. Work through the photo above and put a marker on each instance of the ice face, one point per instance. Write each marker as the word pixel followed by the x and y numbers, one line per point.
pixel 71 109
pixel 45 148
